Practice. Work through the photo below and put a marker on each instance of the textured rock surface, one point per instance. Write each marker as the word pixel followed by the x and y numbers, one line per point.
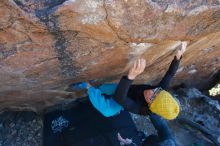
pixel 46 45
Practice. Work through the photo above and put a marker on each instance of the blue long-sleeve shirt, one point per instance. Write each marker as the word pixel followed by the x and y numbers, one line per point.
pixel 107 106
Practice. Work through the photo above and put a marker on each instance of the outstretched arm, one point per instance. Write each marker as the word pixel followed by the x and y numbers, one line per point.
pixel 124 85
pixel 121 96
pixel 165 82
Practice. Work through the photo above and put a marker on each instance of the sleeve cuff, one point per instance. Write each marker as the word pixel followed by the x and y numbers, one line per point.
pixel 126 78
pixel 177 59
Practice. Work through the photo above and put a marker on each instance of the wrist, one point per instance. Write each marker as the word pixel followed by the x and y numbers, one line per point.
pixel 178 57
pixel 130 77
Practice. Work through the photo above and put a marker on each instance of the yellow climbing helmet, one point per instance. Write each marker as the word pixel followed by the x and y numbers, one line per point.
pixel 165 105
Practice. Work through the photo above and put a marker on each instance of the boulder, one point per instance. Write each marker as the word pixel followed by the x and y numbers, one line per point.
pixel 46 45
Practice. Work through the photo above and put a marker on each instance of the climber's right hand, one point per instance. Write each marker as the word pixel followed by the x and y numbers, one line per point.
pixel 182 50
pixel 136 69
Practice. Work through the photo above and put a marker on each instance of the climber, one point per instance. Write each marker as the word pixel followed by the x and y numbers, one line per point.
pixel 139 99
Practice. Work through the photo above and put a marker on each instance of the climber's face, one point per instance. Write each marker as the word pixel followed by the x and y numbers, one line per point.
pixel 150 94
pixel 147 95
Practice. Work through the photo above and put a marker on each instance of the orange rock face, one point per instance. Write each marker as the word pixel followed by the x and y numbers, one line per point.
pixel 46 45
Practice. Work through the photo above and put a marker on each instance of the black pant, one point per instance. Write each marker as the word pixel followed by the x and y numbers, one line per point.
pixel 83 125
pixel 163 131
